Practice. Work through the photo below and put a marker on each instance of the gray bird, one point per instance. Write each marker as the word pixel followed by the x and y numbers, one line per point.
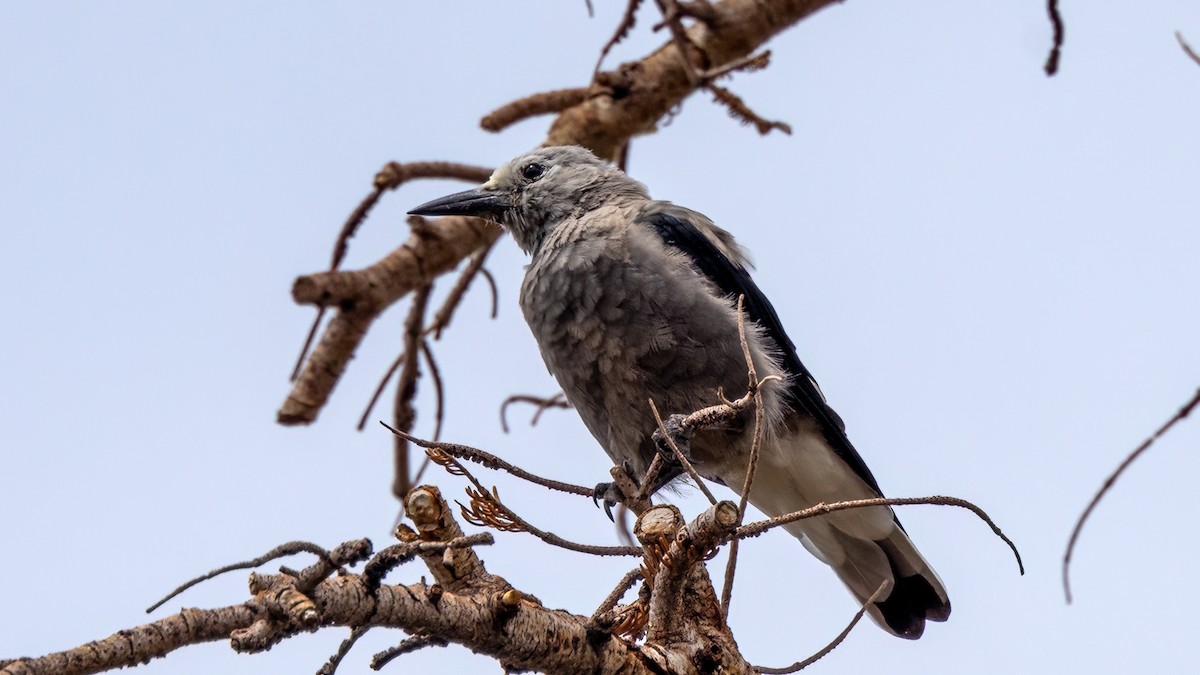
pixel 632 299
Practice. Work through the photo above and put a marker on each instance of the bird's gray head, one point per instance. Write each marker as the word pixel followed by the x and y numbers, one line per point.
pixel 532 194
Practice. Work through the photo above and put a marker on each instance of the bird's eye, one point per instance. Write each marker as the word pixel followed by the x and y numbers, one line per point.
pixel 532 171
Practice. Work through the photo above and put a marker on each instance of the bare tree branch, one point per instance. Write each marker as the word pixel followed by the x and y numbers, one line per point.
pixel 1111 480
pixel 1056 22
pixel 1187 49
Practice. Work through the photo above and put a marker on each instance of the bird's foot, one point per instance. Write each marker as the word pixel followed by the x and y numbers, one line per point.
pixel 677 433
pixel 610 494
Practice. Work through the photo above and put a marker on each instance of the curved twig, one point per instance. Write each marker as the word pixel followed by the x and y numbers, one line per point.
pixel 1056 21
pixel 510 515
pixel 1108 483
pixel 755 529
pixel 281 551
pixel 801 665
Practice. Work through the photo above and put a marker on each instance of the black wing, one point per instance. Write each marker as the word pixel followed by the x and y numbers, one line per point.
pixel 734 280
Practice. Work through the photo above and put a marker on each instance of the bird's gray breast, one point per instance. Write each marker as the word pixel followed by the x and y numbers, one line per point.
pixel 621 319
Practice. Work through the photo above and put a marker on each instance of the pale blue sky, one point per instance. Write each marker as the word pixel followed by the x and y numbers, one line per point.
pixel 991 273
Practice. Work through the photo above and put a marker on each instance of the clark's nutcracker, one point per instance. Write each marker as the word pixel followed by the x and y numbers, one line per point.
pixel 633 299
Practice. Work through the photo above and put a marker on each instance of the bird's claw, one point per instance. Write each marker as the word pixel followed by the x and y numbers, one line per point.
pixel 611 496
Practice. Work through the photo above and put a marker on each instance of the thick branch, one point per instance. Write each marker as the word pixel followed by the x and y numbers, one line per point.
pixel 649 88
pixel 362 295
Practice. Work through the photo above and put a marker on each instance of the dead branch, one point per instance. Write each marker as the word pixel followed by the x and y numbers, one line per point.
pixel 390 177
pixel 404 414
pixel 545 103
pixel 1187 49
pixel 542 405
pixel 833 644
pixel 410 645
pixel 674 438
pixel 466 606
pixel 755 529
pixel 486 509
pixel 1111 480
pixel 1056 22
pixel 493 462
pixel 628 19
pixel 442 317
pixel 742 112
pixel 281 551
pixel 361 296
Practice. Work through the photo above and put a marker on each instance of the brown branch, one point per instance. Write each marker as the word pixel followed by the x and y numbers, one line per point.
pixel 281 551
pixel 442 317
pixel 749 64
pixel 755 529
pixel 628 19
pixel 742 112
pixel 509 520
pixel 1187 49
pixel 435 375
pixel 543 103
pixel 672 20
pixel 658 82
pixel 1111 480
pixel 410 645
pixel 362 295
pixel 331 666
pixel 1056 21
pixel 801 665
pixel 680 456
pixel 404 415
pixel 542 405
pixel 493 462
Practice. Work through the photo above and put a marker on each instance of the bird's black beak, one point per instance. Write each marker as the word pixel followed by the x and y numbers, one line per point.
pixel 477 202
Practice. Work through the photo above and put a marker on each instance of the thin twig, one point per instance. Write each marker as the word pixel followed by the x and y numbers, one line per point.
pixel 752 464
pixel 404 414
pixel 495 293
pixel 336 660
pixel 558 400
pixel 383 381
pixel 623 28
pixel 1056 21
pixel 801 665
pixel 510 515
pixel 412 644
pixel 397 554
pixel 436 376
pixel 442 317
pixel 755 529
pixel 283 550
pixel 1112 478
pixel 490 461
pixel 740 111
pixel 748 64
pixel 631 577
pixel 679 455
pixel 307 346
pixel 672 19
pixel 656 467
pixel 1187 49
